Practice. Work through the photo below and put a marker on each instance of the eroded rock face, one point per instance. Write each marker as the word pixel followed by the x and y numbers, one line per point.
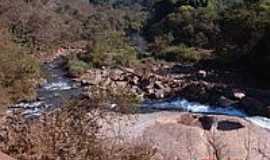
pixel 182 136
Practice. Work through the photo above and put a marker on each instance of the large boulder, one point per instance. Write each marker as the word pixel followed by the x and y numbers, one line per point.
pixel 181 136
pixel 254 106
pixel 5 157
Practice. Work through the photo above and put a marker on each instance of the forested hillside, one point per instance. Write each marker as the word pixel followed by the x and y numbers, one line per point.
pixel 230 29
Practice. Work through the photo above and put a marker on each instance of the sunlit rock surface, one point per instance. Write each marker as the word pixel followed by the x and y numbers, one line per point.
pixel 181 136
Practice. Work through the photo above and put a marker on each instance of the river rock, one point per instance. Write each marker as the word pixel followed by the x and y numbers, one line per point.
pixel 121 84
pixel 202 73
pixel 225 102
pixel 239 95
pixel 116 75
pixel 159 85
pixel 135 80
pixel 254 107
pixel 85 83
pixel 159 94
pixel 184 136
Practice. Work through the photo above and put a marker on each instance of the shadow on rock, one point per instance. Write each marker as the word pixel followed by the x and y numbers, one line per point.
pixel 206 122
pixel 229 125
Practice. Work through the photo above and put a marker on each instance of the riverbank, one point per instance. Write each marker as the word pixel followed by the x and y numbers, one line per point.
pixel 195 88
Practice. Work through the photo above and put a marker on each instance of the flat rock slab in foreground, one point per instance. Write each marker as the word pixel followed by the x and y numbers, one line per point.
pixel 5 157
pixel 185 136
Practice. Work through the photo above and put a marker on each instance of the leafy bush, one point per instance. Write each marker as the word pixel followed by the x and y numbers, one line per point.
pixel 77 67
pixel 111 49
pixel 180 53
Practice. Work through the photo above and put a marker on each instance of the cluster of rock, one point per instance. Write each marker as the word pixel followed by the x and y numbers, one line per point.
pixel 160 82
pixel 150 85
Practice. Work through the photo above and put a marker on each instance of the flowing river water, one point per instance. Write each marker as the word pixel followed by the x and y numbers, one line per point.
pixel 59 88
pixel 55 91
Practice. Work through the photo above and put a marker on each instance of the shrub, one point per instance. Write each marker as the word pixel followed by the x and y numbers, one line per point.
pixel 19 72
pixel 76 67
pixel 119 99
pixel 180 53
pixel 69 133
pixel 110 49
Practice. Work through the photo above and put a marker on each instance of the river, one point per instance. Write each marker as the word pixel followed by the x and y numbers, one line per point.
pixel 55 91
pixel 59 88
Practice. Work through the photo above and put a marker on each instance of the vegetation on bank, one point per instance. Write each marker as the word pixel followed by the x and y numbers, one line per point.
pixel 234 30
pixel 105 50
pixel 174 29
pixel 19 72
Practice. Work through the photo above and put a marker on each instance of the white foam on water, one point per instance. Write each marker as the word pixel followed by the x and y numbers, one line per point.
pixel 183 104
pixel 30 105
pixel 31 108
pixel 32 112
pixel 57 86
pixel 260 121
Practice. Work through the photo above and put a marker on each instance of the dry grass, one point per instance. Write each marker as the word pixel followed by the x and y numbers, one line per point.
pixel 69 133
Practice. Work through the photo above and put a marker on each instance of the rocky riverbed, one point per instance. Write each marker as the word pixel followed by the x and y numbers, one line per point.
pixel 161 86
pixel 163 81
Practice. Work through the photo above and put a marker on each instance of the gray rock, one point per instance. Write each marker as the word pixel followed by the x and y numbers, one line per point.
pixel 202 73
pixel 225 102
pixel 159 93
pixel 159 85
pixel 121 84
pixel 239 95
pixel 254 106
